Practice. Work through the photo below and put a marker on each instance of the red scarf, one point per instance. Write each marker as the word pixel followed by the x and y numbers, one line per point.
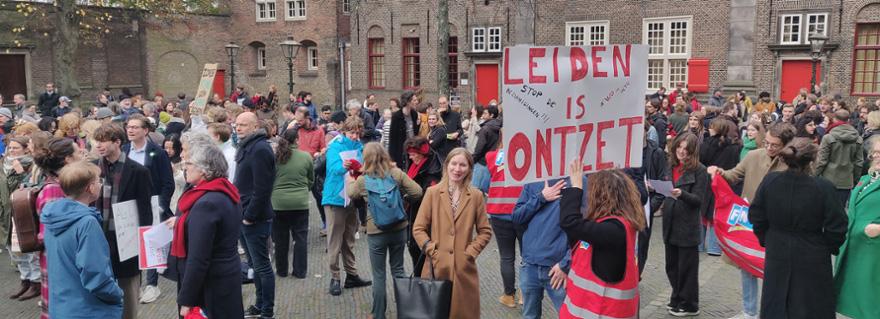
pixel 833 125
pixel 189 199
pixel 415 167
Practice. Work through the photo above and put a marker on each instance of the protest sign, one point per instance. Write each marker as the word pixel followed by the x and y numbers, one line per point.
pixel 206 83
pixel 125 223
pixel 564 103
pixel 154 243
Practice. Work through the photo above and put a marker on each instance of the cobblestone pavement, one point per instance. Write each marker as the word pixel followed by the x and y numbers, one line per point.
pixel 308 298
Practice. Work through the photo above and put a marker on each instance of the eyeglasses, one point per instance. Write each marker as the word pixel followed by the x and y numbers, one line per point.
pixel 772 146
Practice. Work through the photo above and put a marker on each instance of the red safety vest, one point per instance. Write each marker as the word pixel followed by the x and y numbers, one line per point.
pixel 502 198
pixel 588 296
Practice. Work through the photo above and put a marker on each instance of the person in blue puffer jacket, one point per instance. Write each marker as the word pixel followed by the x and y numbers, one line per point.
pixel 342 218
pixel 80 274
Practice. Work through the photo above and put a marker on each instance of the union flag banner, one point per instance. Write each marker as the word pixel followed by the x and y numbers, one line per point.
pixel 734 230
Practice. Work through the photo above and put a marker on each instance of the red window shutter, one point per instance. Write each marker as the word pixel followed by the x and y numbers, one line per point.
pixel 698 75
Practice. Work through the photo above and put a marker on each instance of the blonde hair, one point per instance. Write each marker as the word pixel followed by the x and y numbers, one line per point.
pixel 377 162
pixel 88 128
pixel 873 120
pixel 68 121
pixel 437 115
pixel 467 157
pixel 76 177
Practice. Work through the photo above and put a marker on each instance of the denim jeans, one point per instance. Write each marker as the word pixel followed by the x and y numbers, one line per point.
pixel 28 265
pixel 507 234
pixel 481 178
pixel 534 280
pixel 295 224
pixel 750 293
pixel 256 239
pixel 709 243
pixel 389 244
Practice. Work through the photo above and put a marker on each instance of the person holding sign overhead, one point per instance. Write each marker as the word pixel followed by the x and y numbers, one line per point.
pixel 604 277
pixel 126 187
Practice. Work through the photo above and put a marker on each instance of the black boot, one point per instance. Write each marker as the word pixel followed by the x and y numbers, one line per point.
pixel 334 287
pixel 24 287
pixel 353 281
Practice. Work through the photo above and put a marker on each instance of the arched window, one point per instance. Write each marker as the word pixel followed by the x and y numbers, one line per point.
pixel 260 58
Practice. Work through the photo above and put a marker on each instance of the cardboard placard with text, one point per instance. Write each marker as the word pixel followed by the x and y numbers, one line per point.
pixel 206 83
pixel 563 103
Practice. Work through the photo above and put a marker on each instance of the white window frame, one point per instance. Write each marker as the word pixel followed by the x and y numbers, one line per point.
pixel 271 13
pixel 588 33
pixel 312 58
pixel 479 42
pixel 261 58
pixel 807 24
pixel 666 56
pixel 493 39
pixel 291 5
pixel 799 25
pixel 346 6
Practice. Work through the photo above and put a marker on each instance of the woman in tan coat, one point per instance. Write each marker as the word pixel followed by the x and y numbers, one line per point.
pixel 451 211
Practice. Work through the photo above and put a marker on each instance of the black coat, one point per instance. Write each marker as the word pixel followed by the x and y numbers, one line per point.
pixel 159 165
pixel 47 102
pixel 439 142
pixel 135 184
pixel 255 176
pixel 660 123
pixel 655 167
pixel 452 120
pixel 210 275
pixel 681 217
pixel 397 137
pixel 487 139
pixel 714 152
pixel 800 221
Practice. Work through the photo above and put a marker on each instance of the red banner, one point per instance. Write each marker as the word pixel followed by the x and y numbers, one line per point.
pixel 734 230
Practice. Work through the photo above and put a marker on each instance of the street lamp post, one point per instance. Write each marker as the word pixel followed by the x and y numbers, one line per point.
pixel 817 47
pixel 290 48
pixel 231 51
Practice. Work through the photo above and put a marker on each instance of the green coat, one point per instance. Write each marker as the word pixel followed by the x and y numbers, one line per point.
pixel 856 278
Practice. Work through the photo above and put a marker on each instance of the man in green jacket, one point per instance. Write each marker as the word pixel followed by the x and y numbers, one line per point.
pixel 840 155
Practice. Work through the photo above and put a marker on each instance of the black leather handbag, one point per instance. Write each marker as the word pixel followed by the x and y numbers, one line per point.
pixel 422 298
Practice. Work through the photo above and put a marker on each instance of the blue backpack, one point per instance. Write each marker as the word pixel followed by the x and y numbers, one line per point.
pixel 384 201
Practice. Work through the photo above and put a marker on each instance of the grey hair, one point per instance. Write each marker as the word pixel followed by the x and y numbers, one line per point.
pixel 208 158
pixel 352 104
pixel 193 138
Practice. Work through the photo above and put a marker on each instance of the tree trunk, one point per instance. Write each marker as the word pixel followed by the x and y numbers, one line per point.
pixel 442 47
pixel 66 41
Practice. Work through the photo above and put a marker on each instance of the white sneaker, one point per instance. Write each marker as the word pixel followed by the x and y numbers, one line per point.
pixel 743 316
pixel 151 293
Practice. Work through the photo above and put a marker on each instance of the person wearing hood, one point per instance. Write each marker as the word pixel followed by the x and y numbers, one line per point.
pixel 341 213
pixel 254 177
pixel 80 271
pixel 841 156
pixel 16 168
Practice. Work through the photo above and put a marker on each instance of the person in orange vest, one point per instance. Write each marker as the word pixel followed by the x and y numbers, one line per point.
pixel 604 276
pixel 499 205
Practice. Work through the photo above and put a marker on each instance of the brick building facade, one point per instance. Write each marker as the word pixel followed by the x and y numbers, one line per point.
pixel 747 44
pixel 387 46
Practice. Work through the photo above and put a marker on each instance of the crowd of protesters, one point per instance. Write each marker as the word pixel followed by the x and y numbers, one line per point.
pixel 235 177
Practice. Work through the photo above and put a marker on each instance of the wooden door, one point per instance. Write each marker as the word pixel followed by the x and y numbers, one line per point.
pixel 14 79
